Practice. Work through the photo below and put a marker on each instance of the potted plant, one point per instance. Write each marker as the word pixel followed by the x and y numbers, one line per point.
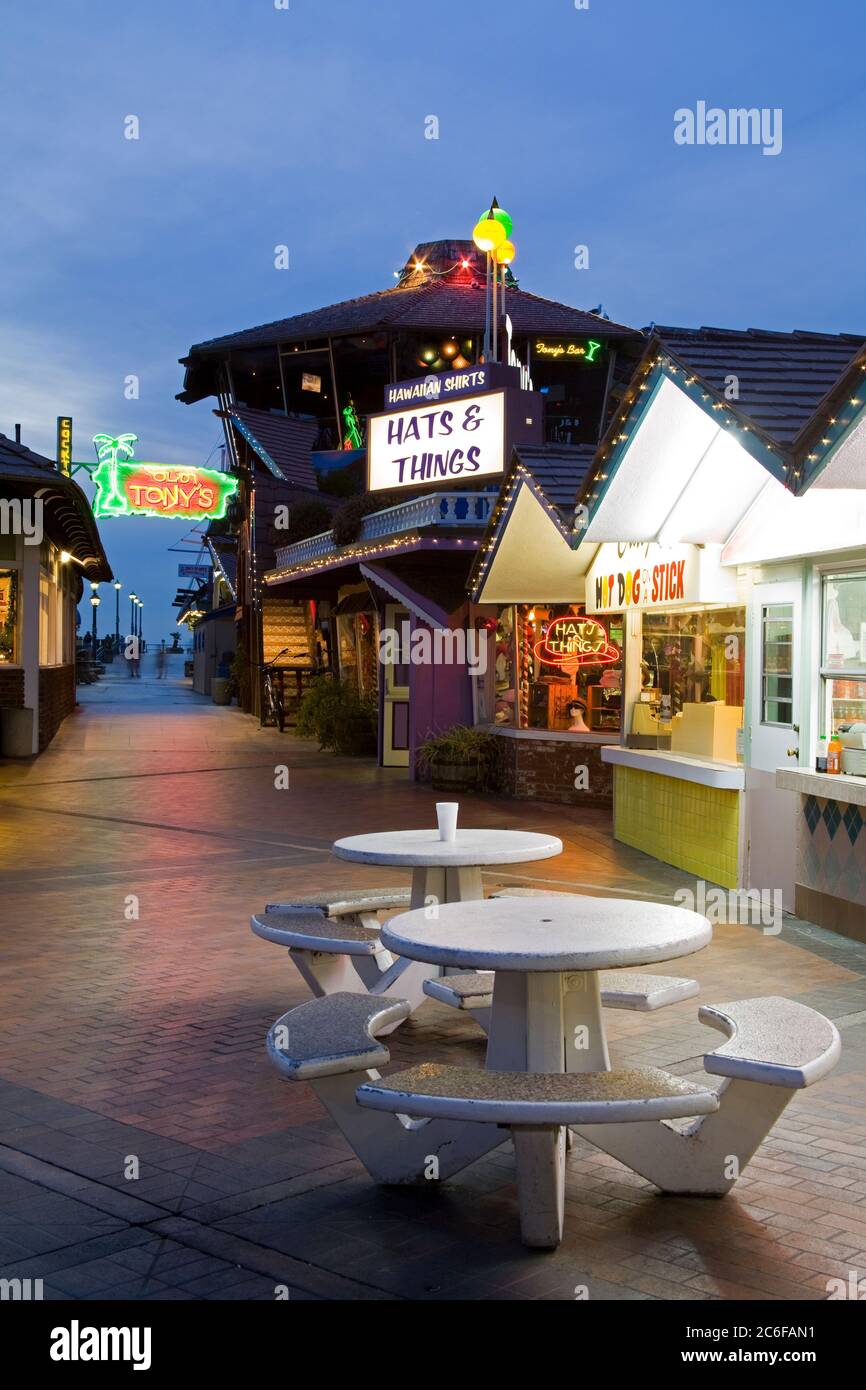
pixel 333 712
pixel 460 759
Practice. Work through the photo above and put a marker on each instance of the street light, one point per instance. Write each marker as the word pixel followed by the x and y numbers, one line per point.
pixel 117 588
pixel 140 616
pixel 132 600
pixel 94 599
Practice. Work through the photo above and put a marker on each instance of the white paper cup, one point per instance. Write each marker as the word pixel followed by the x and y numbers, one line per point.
pixel 446 815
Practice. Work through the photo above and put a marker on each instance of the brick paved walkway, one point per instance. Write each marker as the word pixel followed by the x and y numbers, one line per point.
pixel 134 1003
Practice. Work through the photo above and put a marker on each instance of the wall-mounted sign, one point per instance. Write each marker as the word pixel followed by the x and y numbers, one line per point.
pixel 444 443
pixel 569 350
pixel 125 488
pixel 64 443
pixel 446 385
pixel 310 382
pixel 645 575
pixel 574 640
pixel 194 571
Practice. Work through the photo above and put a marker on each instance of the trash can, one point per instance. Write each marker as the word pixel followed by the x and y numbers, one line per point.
pixel 221 690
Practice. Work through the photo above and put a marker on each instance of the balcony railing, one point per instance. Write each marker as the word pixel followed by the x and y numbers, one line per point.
pixel 454 510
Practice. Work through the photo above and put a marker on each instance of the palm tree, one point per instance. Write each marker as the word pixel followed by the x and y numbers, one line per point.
pixel 110 451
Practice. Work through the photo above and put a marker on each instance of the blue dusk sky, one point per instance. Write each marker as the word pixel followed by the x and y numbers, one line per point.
pixel 305 126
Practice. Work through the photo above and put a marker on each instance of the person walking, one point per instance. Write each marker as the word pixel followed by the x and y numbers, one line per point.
pixel 160 663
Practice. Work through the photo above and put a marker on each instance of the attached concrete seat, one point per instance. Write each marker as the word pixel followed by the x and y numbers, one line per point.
pixel 326 1043
pixel 772 1040
pixel 533 1098
pixel 776 1046
pixel 345 901
pixel 537 1108
pixel 301 930
pixel 620 989
pixel 334 942
pixel 333 1035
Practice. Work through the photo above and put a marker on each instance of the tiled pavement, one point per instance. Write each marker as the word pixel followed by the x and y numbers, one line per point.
pixel 134 1003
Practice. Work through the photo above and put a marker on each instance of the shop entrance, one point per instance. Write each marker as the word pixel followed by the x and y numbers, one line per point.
pixel 395 666
pixel 775 659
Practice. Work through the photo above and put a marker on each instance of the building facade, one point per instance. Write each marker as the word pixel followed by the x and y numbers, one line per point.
pixel 49 545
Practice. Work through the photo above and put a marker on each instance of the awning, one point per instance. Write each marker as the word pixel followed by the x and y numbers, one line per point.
pixel 353 603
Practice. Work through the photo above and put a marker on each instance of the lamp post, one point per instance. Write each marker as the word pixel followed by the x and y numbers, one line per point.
pixel 132 602
pixel 140 617
pixel 94 600
pixel 490 234
pixel 117 588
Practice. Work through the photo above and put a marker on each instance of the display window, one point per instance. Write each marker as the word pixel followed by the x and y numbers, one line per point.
pixel 693 681
pixel 8 616
pixel 357 644
pixel 558 669
pixel 843 665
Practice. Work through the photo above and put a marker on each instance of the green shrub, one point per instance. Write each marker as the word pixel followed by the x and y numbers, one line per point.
pixel 333 713
pixel 459 746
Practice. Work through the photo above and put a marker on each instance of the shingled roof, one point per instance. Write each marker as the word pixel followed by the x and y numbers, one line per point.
pixel 782 378
pixel 281 440
pixel 558 470
pixel 451 299
pixel 69 519
pixel 433 304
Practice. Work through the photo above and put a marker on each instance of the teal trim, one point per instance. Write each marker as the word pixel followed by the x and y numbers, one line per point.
pixel 821 455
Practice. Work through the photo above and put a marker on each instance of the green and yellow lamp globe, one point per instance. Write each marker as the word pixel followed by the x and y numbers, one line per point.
pixel 488 234
pixel 505 253
pixel 501 216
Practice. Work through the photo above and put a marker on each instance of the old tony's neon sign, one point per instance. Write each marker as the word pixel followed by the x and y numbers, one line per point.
pixel 127 488
pixel 574 640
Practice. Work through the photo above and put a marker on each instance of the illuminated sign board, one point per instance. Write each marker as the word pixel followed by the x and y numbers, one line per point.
pixel 573 640
pixel 459 441
pixel 64 443
pixel 445 385
pixel 310 382
pixel 645 576
pixel 563 348
pixel 127 488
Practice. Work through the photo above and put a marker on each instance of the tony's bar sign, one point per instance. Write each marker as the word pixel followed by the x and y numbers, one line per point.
pixel 155 489
pixel 458 441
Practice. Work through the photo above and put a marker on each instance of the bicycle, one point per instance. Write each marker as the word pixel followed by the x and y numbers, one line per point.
pixel 273 710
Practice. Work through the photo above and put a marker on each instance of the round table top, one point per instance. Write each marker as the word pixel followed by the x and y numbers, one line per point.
pixel 556 933
pixel 423 848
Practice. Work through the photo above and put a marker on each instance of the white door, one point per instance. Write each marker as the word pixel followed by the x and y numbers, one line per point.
pixel 774 723
pixel 395 733
pixel 774 719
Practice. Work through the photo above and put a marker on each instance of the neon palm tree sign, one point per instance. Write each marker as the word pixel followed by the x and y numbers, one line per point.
pixel 125 487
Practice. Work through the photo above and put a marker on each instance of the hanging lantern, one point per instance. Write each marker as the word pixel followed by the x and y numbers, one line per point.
pixel 505 253
pixel 502 217
pixel 450 348
pixel 488 234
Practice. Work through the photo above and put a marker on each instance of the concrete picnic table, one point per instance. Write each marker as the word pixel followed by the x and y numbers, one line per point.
pixel 547 952
pixel 448 871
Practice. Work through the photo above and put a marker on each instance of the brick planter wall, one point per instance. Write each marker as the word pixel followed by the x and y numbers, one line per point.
pixel 11 689
pixel 56 700
pixel 533 769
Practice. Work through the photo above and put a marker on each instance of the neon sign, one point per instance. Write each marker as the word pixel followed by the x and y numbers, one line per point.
pixel 125 487
pixel 575 641
pixel 588 351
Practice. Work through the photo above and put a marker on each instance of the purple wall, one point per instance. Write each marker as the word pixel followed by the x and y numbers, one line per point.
pixel 439 696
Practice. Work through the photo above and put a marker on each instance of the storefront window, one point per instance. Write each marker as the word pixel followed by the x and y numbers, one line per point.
pixel 692 681
pixel 777 664
pixel 558 669
pixel 8 616
pixel 843 667
pixel 357 645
